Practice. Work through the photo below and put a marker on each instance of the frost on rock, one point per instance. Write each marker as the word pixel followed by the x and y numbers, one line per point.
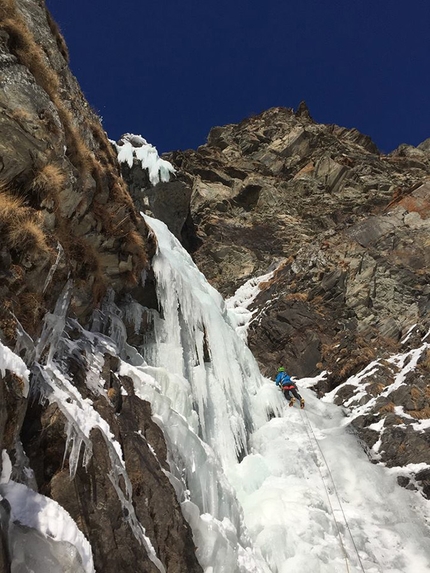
pixel 131 147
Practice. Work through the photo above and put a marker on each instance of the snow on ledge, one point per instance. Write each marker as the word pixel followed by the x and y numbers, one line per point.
pixel 12 362
pixel 130 147
pixel 48 517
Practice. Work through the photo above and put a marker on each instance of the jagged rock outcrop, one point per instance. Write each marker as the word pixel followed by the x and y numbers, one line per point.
pixel 67 222
pixel 264 188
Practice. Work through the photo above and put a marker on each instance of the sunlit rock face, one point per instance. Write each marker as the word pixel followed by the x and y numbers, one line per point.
pixel 345 226
pixel 65 210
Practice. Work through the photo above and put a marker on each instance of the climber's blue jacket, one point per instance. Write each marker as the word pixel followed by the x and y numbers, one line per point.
pixel 283 379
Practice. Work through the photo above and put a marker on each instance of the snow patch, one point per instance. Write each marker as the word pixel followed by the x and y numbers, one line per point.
pixel 131 147
pixel 12 362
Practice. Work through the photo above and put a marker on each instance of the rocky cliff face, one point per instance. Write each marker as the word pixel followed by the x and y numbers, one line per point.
pixel 68 224
pixel 345 230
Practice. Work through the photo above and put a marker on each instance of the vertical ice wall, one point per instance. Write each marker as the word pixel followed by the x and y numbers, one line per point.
pixel 196 341
pixel 208 395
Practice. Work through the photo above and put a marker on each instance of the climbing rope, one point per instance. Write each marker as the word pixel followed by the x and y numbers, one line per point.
pixel 308 426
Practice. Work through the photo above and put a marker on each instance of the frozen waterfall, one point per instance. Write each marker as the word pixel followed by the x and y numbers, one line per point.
pixel 265 488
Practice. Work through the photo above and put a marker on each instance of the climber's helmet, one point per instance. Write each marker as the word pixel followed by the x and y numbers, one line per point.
pixel 281 369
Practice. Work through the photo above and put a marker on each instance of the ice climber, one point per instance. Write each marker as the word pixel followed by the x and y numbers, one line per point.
pixel 288 387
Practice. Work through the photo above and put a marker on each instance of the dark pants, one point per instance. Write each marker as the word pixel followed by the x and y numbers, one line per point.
pixel 290 393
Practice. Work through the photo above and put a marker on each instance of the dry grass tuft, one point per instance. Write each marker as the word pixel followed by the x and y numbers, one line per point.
pixel 277 274
pixel 136 245
pixel 48 180
pixel 29 237
pixel 20 226
pixel 31 309
pixel 86 264
pixel 415 393
pixel 108 152
pixel 423 414
pixel 84 257
pixel 388 408
pixel 297 296
pixel 29 52
pixel 375 388
pixel 7 9
pixel 20 115
pixel 77 150
pixel 424 363
pixel 23 44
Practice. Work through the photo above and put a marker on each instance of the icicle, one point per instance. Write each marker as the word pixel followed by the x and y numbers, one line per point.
pixel 54 266
pixel 54 325
pixel 108 320
pixel 196 328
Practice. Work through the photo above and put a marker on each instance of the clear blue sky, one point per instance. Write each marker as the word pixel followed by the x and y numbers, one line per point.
pixel 170 70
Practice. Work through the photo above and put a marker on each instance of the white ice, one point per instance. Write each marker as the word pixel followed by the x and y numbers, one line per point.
pixel 242 299
pixel 314 503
